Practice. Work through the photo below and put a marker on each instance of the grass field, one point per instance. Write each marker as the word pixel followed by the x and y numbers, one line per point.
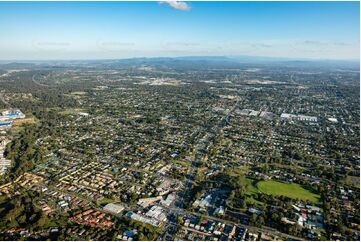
pixel 251 189
pixel 20 122
pixel 71 111
pixel 182 163
pixel 104 201
pixel 290 190
pixel 78 93
pixel 353 181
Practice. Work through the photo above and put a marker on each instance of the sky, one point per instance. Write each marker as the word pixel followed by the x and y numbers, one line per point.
pixel 112 30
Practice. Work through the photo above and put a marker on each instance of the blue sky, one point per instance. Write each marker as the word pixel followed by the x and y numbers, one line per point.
pixel 97 30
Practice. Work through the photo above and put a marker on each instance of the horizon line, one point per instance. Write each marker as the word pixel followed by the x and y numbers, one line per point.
pixel 187 56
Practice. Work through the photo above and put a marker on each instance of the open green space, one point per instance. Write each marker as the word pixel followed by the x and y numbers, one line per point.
pixel 353 181
pixel 251 188
pixel 104 201
pixel 72 111
pixel 78 93
pixel 290 190
pixel 182 163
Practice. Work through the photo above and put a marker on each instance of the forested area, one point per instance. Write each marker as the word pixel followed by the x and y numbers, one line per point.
pixel 20 211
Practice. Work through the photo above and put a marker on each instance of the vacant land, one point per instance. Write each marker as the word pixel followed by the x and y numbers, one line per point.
pixel 290 190
pixel 353 181
pixel 20 122
pixel 72 111
pixel 76 95
pixel 104 201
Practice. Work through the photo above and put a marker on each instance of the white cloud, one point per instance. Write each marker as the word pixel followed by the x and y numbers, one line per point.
pixel 179 5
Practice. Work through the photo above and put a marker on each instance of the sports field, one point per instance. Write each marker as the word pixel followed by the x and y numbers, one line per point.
pixel 290 190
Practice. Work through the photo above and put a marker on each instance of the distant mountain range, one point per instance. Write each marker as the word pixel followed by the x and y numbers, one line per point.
pixel 186 62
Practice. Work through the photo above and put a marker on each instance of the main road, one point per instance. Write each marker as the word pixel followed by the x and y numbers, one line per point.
pixel 177 206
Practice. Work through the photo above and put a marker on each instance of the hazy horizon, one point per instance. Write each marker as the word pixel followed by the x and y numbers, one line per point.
pixel 268 58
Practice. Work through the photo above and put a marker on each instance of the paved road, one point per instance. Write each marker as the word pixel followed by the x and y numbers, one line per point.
pixel 38 83
pixel 2 98
pixel 177 206
pixel 263 229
